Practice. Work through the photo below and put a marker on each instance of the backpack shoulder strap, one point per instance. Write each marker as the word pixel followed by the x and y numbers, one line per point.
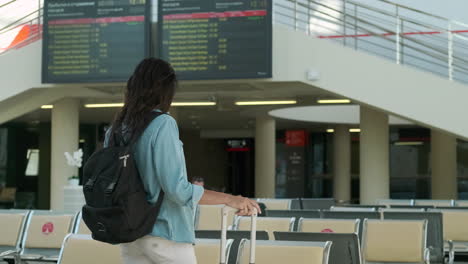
pixel 150 117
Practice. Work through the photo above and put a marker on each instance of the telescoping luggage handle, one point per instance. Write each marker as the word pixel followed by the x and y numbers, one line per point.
pixel 253 233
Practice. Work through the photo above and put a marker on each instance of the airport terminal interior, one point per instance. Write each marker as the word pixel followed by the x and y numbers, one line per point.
pixel 344 119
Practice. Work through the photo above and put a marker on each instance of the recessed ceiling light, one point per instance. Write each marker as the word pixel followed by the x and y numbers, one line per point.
pixel 266 102
pixel 409 143
pixel 354 130
pixel 330 130
pixel 334 101
pixel 104 105
pixel 173 104
pixel 193 104
pixel 47 107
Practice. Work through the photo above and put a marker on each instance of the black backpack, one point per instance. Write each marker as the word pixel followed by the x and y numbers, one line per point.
pixel 116 209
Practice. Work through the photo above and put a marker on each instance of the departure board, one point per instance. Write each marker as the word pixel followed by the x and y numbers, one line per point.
pixel 216 39
pixel 93 40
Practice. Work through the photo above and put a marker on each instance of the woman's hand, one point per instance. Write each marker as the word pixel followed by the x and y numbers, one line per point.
pixel 244 205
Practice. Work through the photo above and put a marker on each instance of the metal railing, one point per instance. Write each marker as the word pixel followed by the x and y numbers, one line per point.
pixel 20 15
pixel 7 3
pixel 400 33
pixel 403 34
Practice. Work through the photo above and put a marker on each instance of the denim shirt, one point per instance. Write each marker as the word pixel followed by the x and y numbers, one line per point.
pixel 160 160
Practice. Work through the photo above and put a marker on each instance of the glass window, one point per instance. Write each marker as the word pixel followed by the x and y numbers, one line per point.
pixel 32 169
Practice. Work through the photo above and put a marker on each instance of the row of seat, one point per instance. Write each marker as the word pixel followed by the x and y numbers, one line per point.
pixel 405 242
pixel 297 203
pixel 453 221
pixel 421 202
pixel 36 235
pixel 272 252
pixel 78 249
pixel 408 237
pixel 391 241
pixel 286 224
pixel 446 227
pixel 310 204
pixel 51 236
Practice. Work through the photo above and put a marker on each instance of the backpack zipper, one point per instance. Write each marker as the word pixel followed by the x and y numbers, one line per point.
pixel 124 158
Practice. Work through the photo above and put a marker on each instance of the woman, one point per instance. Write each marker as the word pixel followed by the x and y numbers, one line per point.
pixel 160 160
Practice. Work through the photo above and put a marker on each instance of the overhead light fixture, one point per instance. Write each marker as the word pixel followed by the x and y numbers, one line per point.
pixel 104 105
pixel 354 130
pixel 408 143
pixel 173 104
pixel 284 102
pixel 334 101
pixel 193 104
pixel 331 130
pixel 47 107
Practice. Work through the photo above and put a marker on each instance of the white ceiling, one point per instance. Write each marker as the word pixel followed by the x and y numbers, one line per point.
pixel 331 114
pixel 225 115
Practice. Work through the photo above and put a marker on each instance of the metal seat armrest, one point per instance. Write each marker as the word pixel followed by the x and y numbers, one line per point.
pixel 427 256
pixel 6 253
pixel 31 257
pixel 451 259
pixel 53 258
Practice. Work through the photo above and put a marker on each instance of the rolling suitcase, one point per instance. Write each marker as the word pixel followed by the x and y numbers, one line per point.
pixel 253 234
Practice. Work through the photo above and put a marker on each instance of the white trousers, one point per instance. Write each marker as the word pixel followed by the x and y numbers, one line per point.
pixel 156 250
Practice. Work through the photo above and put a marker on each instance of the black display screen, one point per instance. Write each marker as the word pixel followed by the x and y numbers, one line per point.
pixel 216 39
pixel 93 40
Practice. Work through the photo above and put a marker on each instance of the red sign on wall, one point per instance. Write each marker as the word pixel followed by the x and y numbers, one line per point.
pixel 296 138
pixel 48 228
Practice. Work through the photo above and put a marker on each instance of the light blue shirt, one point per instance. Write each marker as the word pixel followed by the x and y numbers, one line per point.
pixel 160 160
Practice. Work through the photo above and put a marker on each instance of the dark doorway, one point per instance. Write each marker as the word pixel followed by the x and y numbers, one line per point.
pixel 241 159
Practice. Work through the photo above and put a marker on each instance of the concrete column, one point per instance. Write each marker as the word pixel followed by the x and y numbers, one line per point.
pixel 374 156
pixel 65 137
pixel 444 166
pixel 265 157
pixel 342 163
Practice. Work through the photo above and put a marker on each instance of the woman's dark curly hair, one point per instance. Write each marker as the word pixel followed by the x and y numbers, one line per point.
pixel 152 86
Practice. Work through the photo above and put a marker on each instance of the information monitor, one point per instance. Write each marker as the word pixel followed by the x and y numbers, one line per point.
pixel 216 39
pixel 93 40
